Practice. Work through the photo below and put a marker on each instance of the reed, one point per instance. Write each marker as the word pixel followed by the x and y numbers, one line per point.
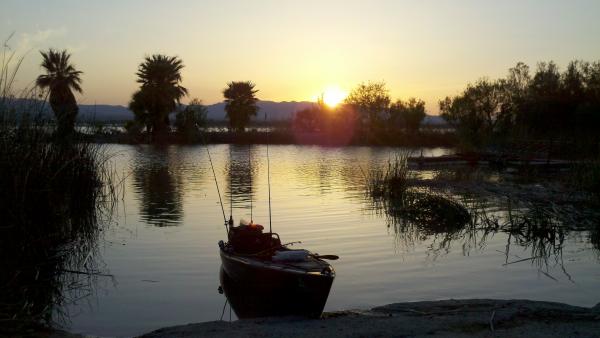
pixel 540 228
pixel 55 198
pixel 414 213
pixel 391 181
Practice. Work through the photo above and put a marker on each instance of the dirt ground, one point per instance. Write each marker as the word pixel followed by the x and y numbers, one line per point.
pixel 447 318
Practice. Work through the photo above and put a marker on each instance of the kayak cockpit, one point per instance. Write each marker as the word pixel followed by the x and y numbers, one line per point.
pixel 249 239
pixel 249 245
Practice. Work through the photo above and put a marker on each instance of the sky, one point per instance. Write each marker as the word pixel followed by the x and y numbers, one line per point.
pixel 294 50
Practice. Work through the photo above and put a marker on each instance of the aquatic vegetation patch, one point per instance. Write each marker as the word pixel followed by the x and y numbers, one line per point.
pixel 435 213
pixel 392 188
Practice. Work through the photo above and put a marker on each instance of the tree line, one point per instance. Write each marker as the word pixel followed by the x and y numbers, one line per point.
pixel 159 95
pixel 548 106
pixel 368 110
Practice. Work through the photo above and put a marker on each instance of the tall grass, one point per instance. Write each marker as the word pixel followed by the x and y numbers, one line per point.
pixel 392 181
pixel 55 198
pixel 413 212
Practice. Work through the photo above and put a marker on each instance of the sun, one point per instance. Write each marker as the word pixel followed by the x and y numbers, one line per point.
pixel 333 95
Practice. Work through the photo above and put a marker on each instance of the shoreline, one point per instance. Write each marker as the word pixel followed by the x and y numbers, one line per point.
pixel 456 318
pixel 425 139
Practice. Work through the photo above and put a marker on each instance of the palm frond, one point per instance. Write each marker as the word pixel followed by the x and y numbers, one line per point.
pixel 60 73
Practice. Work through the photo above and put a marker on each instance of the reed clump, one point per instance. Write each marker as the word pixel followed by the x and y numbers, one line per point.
pixel 436 213
pixel 392 181
pixel 393 189
pixel 55 197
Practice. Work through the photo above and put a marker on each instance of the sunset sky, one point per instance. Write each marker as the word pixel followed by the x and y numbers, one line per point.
pixel 293 50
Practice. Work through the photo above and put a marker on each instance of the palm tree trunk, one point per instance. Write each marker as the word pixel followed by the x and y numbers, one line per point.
pixel 65 111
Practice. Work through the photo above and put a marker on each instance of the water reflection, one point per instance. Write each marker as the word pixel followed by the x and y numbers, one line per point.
pixel 270 298
pixel 318 175
pixel 241 169
pixel 318 198
pixel 539 229
pixel 421 215
pixel 48 274
pixel 594 238
pixel 157 180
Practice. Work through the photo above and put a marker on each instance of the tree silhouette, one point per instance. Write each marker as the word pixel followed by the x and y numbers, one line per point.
pixel 190 119
pixel 159 93
pixel 61 79
pixel 309 119
pixel 407 114
pixel 240 103
pixel 477 112
pixel 371 100
pixel 546 107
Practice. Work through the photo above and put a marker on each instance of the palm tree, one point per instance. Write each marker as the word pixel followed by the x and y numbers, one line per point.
pixel 61 79
pixel 240 103
pixel 159 93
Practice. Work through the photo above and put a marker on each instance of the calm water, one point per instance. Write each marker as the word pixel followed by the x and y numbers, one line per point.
pixel 163 249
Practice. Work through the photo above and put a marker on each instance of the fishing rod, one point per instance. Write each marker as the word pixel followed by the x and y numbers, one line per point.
pixel 269 179
pixel 217 184
pixel 230 192
pixel 250 167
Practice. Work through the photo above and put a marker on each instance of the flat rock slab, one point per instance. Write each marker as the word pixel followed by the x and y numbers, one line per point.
pixel 447 318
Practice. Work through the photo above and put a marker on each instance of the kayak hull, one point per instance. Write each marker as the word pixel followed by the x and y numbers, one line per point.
pixel 261 288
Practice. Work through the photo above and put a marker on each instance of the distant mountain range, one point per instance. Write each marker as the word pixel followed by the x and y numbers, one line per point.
pixel 274 111
pixel 269 110
pixel 434 120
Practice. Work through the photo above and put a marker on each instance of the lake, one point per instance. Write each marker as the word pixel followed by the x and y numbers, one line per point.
pixel 162 246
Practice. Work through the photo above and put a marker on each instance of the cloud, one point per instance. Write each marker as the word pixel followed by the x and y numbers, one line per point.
pixel 38 39
pixel 76 48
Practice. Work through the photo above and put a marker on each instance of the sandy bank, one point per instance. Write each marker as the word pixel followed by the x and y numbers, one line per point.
pixel 448 318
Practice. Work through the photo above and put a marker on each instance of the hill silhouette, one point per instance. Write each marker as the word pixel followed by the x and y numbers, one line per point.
pixel 275 111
